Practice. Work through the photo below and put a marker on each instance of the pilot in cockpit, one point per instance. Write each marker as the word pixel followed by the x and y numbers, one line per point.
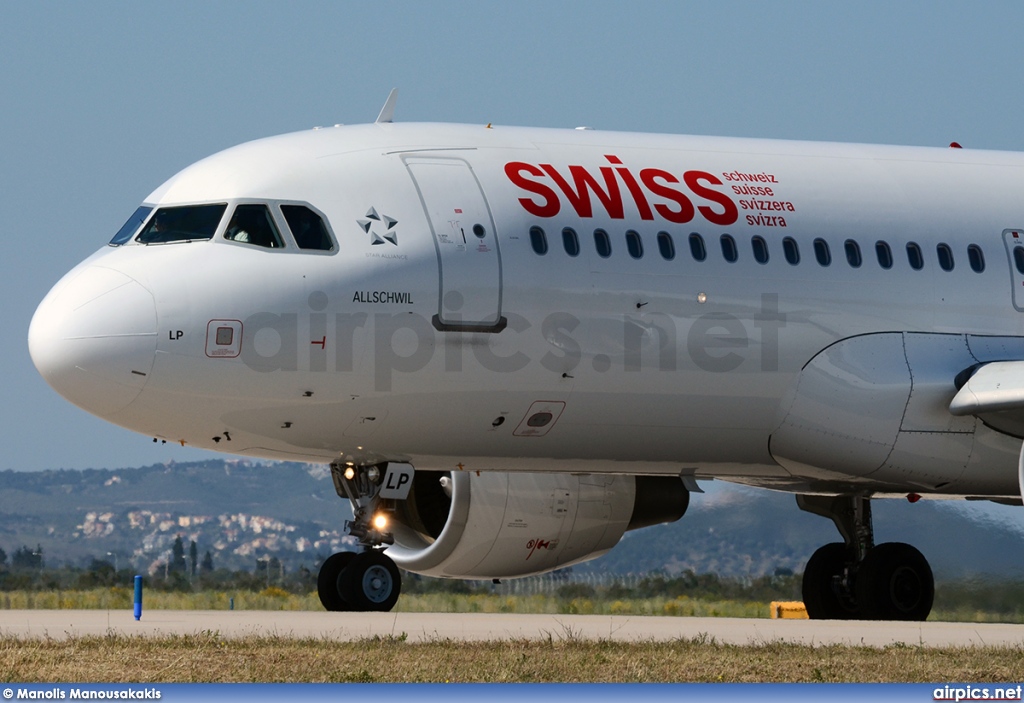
pixel 241 226
pixel 251 224
pixel 161 223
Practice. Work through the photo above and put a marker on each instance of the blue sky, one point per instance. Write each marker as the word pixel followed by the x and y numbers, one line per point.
pixel 100 102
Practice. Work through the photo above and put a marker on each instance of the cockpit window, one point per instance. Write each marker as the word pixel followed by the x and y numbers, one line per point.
pixel 188 223
pixel 131 226
pixel 308 228
pixel 252 224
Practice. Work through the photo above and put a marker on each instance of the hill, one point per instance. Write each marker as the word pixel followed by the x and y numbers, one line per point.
pixel 740 531
pixel 243 511
pixel 239 511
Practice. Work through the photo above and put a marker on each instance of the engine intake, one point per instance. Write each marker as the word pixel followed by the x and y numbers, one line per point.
pixel 504 525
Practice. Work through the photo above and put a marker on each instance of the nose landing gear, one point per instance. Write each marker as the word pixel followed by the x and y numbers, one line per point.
pixel 367 580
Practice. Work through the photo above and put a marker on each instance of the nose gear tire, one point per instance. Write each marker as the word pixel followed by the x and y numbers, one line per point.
pixel 371 582
pixel 328 581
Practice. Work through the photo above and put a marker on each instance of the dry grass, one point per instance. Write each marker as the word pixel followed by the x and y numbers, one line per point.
pixel 208 657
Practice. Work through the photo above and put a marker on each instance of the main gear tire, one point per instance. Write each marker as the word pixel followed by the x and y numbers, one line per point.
pixel 895 583
pixel 823 588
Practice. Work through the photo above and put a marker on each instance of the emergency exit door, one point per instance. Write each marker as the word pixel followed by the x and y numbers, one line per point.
pixel 1014 241
pixel 469 262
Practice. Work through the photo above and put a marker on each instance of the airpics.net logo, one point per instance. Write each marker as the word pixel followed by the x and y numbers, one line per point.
pixel 388 344
pixel 381 228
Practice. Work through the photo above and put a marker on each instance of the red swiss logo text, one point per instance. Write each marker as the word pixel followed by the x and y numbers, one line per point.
pixel 654 192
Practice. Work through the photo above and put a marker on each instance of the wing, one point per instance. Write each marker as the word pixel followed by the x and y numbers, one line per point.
pixel 994 393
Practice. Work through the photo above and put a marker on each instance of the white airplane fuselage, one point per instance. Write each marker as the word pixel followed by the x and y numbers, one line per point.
pixel 435 333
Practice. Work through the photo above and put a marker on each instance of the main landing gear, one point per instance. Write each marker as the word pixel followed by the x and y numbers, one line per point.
pixel 366 580
pixel 856 580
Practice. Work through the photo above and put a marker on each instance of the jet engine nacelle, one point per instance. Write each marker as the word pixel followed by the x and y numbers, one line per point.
pixel 504 525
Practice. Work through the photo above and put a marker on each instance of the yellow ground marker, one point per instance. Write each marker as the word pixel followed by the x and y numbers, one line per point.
pixel 788 610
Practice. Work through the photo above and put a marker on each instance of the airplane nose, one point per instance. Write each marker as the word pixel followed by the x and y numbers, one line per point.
pixel 93 339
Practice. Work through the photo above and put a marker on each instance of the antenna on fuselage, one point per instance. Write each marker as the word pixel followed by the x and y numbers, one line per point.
pixel 387 113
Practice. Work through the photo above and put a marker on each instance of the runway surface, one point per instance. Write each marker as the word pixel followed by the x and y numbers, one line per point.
pixel 418 627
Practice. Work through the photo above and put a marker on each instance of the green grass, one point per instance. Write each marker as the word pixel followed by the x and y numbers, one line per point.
pixel 122 598
pixel 278 599
pixel 546 604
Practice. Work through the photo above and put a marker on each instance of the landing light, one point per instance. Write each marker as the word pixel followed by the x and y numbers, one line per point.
pixel 350 473
pixel 380 521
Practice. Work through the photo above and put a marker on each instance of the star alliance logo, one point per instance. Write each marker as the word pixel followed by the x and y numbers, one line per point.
pixel 374 222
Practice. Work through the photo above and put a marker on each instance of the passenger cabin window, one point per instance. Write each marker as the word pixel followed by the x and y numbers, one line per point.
pixel 252 224
pixel 976 258
pixel 539 240
pixel 697 248
pixel 852 253
pixel 602 243
pixel 729 250
pixel 570 241
pixel 130 227
pixel 666 246
pixel 189 223
pixel 634 244
pixel 914 256
pixel 760 249
pixel 792 250
pixel 308 228
pixel 945 257
pixel 821 252
pixel 884 254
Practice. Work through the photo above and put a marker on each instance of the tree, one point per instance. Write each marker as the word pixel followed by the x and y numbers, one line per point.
pixel 3 558
pixel 99 573
pixel 207 565
pixel 193 557
pixel 25 558
pixel 177 564
pixel 268 567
